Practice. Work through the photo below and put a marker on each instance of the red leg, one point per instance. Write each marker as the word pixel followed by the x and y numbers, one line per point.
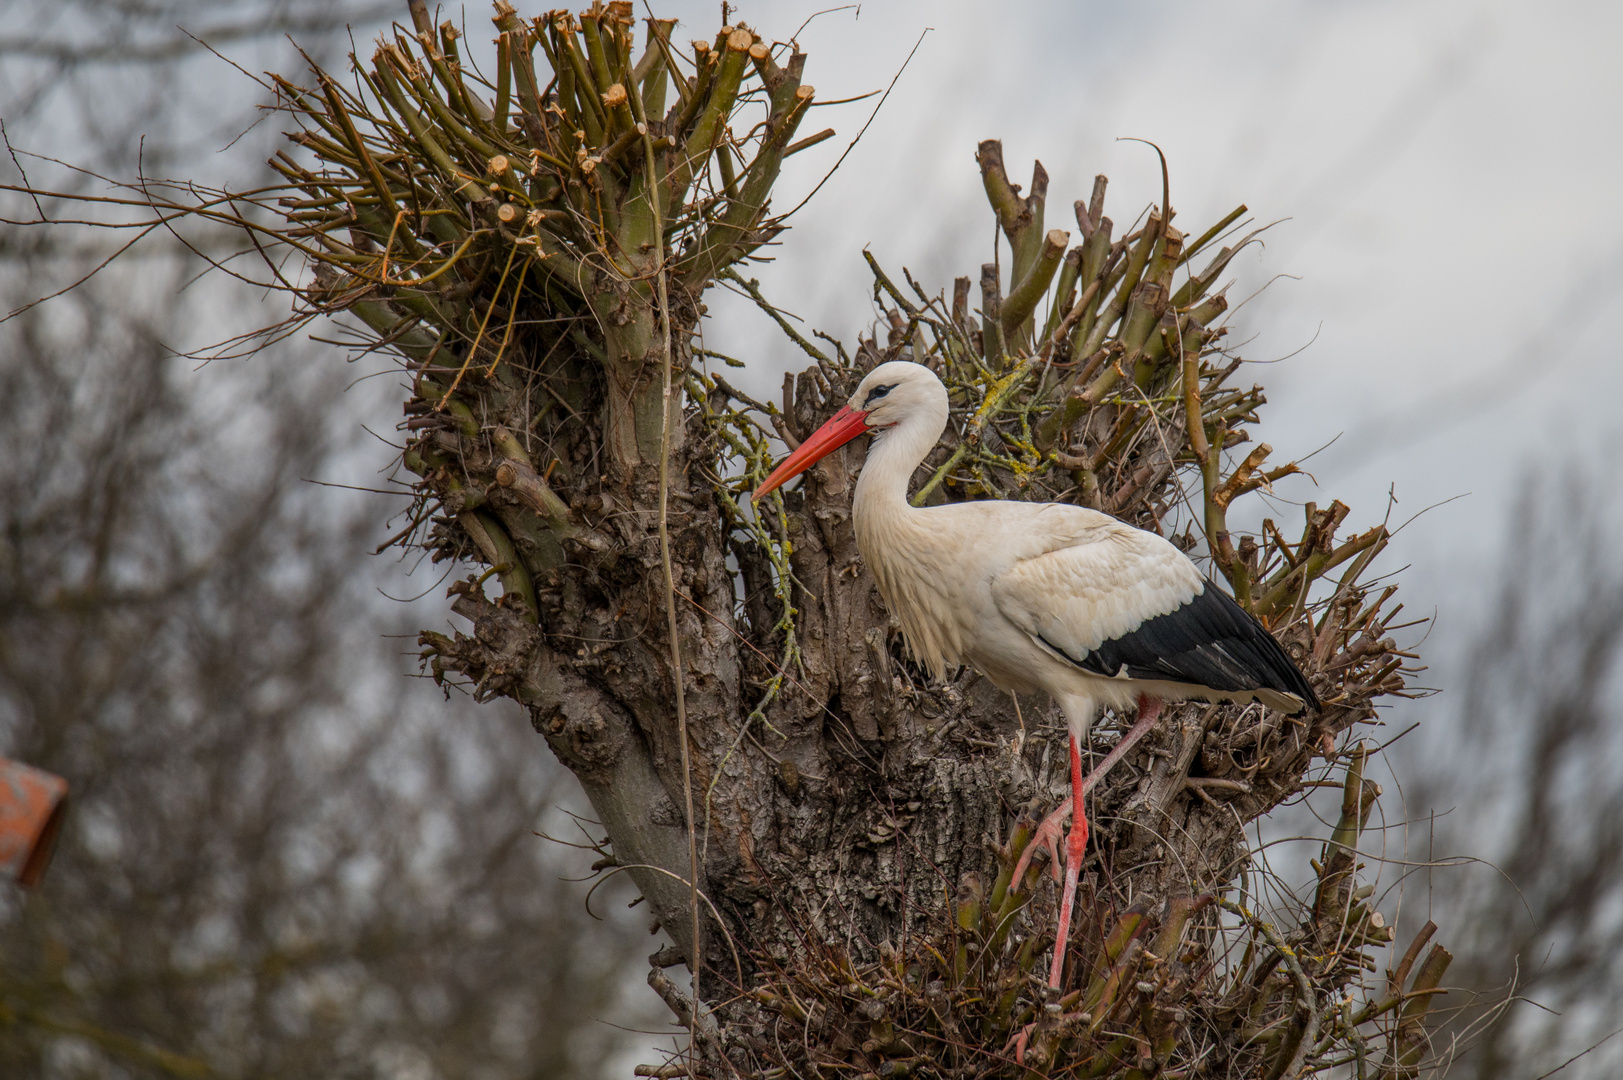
pixel 1149 708
pixel 1048 833
pixel 1075 844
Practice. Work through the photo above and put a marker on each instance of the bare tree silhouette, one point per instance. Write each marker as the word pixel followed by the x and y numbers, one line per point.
pixel 1539 730
pixel 282 859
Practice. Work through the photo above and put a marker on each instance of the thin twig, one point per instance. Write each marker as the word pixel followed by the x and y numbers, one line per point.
pixel 661 277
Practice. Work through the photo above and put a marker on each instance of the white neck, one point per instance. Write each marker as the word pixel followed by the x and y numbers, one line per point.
pixel 893 456
pixel 897 541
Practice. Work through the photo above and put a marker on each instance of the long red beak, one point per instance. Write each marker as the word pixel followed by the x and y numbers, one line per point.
pixel 841 428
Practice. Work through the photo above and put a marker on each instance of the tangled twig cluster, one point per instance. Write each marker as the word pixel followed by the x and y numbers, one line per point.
pixel 1169 988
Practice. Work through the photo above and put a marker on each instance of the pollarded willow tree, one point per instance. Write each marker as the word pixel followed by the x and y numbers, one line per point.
pixel 534 244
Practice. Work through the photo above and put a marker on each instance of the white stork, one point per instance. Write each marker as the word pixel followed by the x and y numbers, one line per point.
pixel 1041 596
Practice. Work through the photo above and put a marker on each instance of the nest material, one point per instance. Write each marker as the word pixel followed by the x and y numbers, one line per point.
pixel 1188 986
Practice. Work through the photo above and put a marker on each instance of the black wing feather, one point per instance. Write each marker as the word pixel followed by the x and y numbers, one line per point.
pixel 1210 641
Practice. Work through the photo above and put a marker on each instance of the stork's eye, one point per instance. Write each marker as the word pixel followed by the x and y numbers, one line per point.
pixel 878 392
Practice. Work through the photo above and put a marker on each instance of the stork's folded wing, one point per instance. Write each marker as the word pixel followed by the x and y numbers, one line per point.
pixel 1128 603
pixel 1078 596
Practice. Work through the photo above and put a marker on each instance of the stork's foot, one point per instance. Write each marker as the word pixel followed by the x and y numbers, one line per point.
pixel 1048 834
pixel 1046 838
pixel 1019 1042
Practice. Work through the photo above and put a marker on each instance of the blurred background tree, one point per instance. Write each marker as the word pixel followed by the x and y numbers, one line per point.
pixel 1526 780
pixel 283 858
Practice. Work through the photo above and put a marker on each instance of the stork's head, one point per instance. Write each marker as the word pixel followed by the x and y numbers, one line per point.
pixel 895 394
